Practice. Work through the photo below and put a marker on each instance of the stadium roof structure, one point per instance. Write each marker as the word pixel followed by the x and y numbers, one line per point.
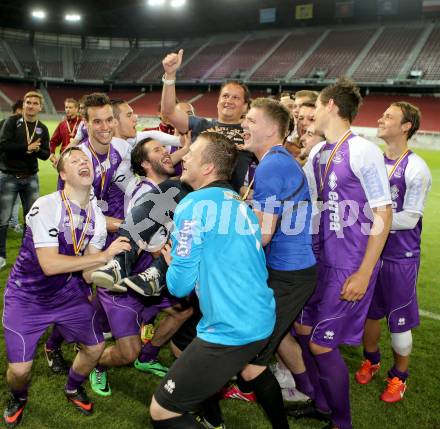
pixel 138 19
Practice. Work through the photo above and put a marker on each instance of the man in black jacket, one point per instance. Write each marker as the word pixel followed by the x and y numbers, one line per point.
pixel 24 140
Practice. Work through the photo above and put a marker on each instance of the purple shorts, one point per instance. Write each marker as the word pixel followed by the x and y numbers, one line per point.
pixel 335 321
pixel 395 296
pixel 25 320
pixel 156 305
pixel 123 312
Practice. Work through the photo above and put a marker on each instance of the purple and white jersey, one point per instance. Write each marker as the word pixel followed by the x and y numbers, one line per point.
pixel 349 186
pixel 163 138
pixel 48 225
pixel 116 168
pixel 410 183
pixel 82 133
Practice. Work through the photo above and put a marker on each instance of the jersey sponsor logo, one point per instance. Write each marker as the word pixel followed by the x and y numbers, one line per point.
pixel 329 335
pixel 170 386
pixel 185 239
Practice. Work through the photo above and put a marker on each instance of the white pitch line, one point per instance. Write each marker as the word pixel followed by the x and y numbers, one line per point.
pixel 429 315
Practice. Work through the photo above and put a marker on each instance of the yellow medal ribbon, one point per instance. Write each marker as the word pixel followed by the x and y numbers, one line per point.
pixel 330 159
pixel 103 171
pixel 76 245
pixel 397 163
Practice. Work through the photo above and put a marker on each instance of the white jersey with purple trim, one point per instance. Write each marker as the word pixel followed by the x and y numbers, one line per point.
pixel 354 182
pixel 410 183
pixel 163 138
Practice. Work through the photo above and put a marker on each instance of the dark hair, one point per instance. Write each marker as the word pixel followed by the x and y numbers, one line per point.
pixel 410 114
pixel 139 155
pixel 116 103
pixel 96 99
pixel 17 105
pixel 277 112
pixel 221 152
pixel 64 155
pixel 346 95
pixel 243 86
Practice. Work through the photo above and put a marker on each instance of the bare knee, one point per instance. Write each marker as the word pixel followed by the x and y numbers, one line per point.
pixel 129 349
pixel 19 371
pixel 250 372
pixel 302 329
pixel 93 352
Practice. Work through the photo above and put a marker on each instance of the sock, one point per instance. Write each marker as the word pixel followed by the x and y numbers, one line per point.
pixel 74 380
pixel 303 383
pixel 212 412
pixel 101 368
pixel 185 421
pixel 333 375
pixel 394 372
pixel 373 357
pixel 20 394
pixel 55 339
pixel 269 396
pixel 313 373
pixel 148 353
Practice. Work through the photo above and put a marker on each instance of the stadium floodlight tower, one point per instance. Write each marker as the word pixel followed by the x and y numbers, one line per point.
pixel 38 14
pixel 72 17
pixel 177 3
pixel 156 2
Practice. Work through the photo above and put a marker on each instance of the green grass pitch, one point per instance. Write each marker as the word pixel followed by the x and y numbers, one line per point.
pixel 127 408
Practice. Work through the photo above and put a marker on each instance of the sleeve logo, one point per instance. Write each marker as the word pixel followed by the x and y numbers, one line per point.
pixel 185 239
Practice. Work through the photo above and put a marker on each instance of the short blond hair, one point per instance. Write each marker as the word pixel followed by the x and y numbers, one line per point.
pixel 35 94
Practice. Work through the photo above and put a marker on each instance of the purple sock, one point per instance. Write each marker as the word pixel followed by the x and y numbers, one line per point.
pixel 373 357
pixel 20 393
pixel 313 373
pixel 394 372
pixel 303 384
pixel 148 352
pixel 55 339
pixel 74 380
pixel 333 375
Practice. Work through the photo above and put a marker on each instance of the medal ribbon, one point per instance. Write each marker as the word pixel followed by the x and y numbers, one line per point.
pixel 397 163
pixel 76 245
pixel 330 159
pixel 103 171
pixel 29 139
pixel 72 132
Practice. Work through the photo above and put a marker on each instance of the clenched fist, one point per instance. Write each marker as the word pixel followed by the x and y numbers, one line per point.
pixel 171 63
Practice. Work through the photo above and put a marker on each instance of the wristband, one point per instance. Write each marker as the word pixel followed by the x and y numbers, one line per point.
pixel 168 81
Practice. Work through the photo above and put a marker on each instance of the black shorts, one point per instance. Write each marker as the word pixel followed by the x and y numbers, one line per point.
pixel 291 290
pixel 200 372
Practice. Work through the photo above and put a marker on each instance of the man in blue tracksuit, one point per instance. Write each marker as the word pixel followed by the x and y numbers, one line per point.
pixel 214 229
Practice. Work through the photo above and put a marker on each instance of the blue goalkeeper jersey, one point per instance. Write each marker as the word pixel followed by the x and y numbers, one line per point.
pixel 216 249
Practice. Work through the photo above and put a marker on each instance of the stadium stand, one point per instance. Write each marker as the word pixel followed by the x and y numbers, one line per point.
pixel 388 54
pixel 25 54
pixel 287 54
pixel 49 60
pixel 336 53
pixel 243 58
pixel 7 66
pixel 428 60
pixel 97 64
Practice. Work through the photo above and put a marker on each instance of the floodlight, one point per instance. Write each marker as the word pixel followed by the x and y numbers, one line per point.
pixel 177 3
pixel 156 2
pixel 39 14
pixel 72 17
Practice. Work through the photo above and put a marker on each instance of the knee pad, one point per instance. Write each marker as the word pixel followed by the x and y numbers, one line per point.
pixel 402 343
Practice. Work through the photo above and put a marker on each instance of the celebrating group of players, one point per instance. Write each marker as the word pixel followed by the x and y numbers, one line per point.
pixel 272 230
